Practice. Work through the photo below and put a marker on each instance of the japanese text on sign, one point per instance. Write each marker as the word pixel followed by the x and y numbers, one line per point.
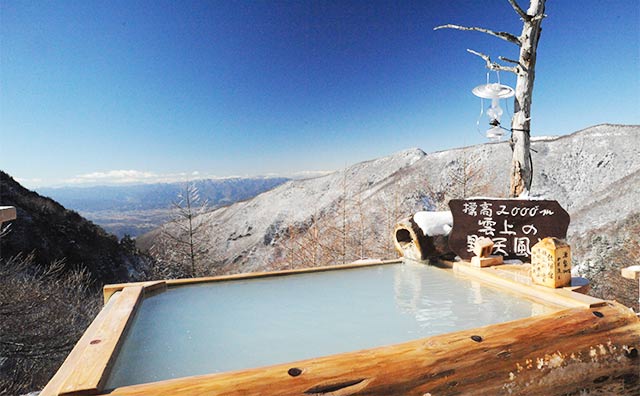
pixel 514 225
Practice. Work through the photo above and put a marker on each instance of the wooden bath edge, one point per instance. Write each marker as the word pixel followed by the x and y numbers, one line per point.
pixel 85 370
pixel 552 354
pixel 108 290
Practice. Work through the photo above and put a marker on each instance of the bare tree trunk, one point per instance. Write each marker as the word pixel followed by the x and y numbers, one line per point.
pixel 344 217
pixel 521 164
pixel 361 227
pixel 192 255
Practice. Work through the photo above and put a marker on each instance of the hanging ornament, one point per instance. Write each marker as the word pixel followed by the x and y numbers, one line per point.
pixel 495 92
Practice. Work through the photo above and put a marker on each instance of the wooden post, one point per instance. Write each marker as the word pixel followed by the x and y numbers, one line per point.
pixel 411 242
pixel 7 213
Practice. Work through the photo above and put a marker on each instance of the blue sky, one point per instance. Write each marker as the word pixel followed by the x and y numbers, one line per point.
pixel 157 90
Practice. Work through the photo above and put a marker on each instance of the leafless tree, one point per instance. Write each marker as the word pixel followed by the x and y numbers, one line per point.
pixel 466 178
pixel 343 210
pixel 181 246
pixel 524 68
pixel 361 236
pixel 463 178
pixel 356 228
pixel 600 253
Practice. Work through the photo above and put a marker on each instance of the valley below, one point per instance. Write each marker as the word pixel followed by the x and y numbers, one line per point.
pixel 128 222
pixel 136 209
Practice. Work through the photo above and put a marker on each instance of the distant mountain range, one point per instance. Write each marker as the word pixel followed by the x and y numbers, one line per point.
pixel 135 209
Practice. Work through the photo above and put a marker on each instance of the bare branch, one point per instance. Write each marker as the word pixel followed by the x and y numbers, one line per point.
pixel 502 35
pixel 515 62
pixel 483 56
pixel 5 230
pixel 492 65
pixel 519 10
pixel 504 59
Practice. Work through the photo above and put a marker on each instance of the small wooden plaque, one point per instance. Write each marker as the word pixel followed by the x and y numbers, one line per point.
pixel 486 261
pixel 7 213
pixel 551 263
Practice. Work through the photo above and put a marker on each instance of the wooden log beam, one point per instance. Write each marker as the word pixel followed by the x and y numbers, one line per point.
pixel 411 243
pixel 409 240
pixel 7 213
pixel 556 354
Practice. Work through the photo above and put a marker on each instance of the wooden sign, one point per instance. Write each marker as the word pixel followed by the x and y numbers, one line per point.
pixel 514 225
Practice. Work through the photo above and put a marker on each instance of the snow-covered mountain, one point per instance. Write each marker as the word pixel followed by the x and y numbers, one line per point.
pixel 248 233
pixel 593 173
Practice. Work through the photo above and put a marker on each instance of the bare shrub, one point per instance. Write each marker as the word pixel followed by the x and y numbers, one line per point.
pixel 611 283
pixel 43 312
pixel 354 228
pixel 602 253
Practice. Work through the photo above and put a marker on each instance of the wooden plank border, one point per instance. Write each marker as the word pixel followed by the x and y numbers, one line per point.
pixel 552 354
pixel 108 290
pixel 564 297
pixel 87 366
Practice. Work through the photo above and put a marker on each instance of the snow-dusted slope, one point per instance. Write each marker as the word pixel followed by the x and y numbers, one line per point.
pixel 244 233
pixel 608 206
pixel 593 173
pixel 573 168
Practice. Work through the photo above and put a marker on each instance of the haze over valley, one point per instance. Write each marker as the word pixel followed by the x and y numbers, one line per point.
pixel 139 208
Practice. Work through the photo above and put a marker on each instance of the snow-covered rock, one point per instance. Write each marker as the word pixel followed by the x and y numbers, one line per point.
pixel 434 223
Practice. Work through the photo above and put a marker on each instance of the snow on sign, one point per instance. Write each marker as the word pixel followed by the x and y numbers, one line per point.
pixel 514 225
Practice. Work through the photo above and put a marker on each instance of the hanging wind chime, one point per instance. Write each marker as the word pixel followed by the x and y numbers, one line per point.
pixel 495 92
